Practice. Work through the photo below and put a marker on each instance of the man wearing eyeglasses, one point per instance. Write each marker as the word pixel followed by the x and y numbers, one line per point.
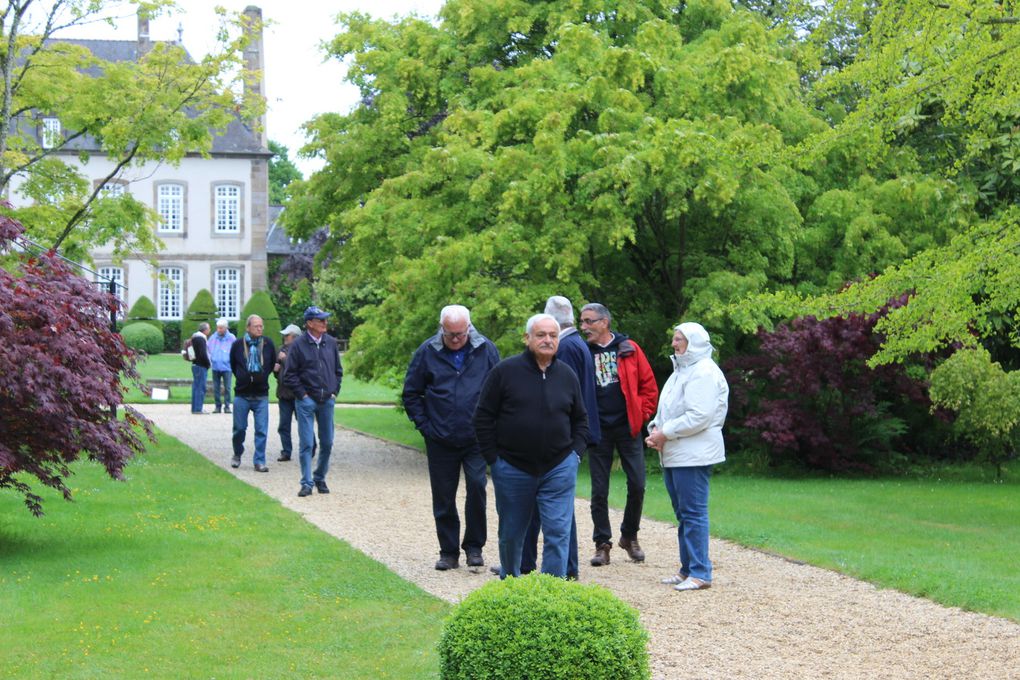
pixel 627 398
pixel 441 390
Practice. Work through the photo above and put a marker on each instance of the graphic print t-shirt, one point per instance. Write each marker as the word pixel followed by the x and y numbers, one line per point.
pixel 612 406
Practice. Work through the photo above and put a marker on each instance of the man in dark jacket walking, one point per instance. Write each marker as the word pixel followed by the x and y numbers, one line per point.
pixel 313 375
pixel 440 394
pixel 199 367
pixel 252 358
pixel 532 428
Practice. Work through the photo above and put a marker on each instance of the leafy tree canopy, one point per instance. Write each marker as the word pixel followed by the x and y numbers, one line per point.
pixel 282 172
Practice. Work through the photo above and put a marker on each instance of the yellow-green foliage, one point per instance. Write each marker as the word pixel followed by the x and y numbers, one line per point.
pixel 985 398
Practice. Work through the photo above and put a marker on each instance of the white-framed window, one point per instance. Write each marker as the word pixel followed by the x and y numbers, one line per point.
pixel 113 189
pixel 170 206
pixel 169 293
pixel 115 274
pixel 227 208
pixel 227 284
pixel 51 133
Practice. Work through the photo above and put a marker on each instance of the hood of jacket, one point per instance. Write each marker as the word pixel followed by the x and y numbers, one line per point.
pixel 475 339
pixel 698 345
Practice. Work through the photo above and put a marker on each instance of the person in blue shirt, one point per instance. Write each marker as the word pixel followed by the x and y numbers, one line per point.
pixel 219 345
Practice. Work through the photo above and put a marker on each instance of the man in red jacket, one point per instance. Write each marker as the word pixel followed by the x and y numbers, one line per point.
pixel 627 397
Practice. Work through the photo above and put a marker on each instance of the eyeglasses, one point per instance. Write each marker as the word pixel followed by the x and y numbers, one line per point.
pixel 589 322
pixel 454 336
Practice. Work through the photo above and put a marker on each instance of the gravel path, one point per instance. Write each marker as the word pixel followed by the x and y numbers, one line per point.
pixel 763 617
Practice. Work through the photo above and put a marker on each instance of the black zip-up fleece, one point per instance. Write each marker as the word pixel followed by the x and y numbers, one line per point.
pixel 533 420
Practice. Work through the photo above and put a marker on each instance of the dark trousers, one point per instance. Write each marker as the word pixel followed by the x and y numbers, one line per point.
pixel 445 464
pixel 600 461
pixel 529 556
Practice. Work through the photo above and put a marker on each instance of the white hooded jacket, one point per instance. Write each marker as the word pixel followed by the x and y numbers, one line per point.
pixel 693 404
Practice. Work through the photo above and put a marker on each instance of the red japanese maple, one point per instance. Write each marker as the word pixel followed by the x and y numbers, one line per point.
pixel 60 375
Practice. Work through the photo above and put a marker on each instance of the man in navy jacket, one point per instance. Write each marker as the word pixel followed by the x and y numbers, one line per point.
pixel 440 393
pixel 313 375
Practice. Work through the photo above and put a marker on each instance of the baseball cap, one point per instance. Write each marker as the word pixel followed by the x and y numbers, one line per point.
pixel 291 330
pixel 314 312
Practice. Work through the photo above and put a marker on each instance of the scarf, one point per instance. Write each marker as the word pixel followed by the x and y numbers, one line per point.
pixel 254 348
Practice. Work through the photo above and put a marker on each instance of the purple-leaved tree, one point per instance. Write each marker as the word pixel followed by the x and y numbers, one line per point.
pixel 811 398
pixel 60 375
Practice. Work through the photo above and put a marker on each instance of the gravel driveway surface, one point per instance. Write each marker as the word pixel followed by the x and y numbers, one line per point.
pixel 764 617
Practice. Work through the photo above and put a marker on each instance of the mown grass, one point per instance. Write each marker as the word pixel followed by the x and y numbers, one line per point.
pixel 185 572
pixel 352 391
pixel 953 540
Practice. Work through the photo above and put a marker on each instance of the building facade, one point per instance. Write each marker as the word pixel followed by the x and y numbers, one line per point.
pixel 213 211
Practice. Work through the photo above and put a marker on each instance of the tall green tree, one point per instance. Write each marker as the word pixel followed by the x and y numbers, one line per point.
pixel 624 152
pixel 282 172
pixel 158 107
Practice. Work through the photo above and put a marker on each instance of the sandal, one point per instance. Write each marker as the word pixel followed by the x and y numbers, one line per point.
pixel 675 579
pixel 691 583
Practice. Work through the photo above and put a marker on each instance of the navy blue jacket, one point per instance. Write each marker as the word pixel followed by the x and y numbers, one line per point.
pixel 530 419
pixel 439 399
pixel 313 370
pixel 251 385
pixel 574 352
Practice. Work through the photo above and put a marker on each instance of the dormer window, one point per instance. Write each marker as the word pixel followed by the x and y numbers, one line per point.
pixel 51 134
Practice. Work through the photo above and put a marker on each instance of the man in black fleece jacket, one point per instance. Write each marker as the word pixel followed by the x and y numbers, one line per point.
pixel 532 428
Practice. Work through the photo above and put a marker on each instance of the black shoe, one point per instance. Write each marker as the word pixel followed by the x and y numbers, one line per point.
pixel 305 491
pixel 235 462
pixel 573 577
pixel 226 409
pixel 321 487
pixel 284 457
pixel 448 562
pixel 261 468
pixel 474 559
pixel 495 569
pixel 218 410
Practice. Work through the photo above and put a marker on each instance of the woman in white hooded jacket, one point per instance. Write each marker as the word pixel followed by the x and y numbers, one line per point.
pixel 687 433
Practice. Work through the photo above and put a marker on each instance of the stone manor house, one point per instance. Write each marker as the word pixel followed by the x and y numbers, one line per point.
pixel 214 212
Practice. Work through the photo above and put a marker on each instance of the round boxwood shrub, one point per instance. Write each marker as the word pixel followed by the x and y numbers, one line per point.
pixel 142 337
pixel 539 626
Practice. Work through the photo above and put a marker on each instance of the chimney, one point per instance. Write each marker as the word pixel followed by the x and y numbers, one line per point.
pixel 254 63
pixel 143 33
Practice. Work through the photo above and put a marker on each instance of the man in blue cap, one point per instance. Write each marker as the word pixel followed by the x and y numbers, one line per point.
pixel 313 375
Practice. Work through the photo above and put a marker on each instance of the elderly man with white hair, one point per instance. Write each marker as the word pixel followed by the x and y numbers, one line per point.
pixel 219 344
pixel 532 428
pixel 440 393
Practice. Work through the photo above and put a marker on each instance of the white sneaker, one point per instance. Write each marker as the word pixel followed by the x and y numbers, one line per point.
pixel 691 583
pixel 675 579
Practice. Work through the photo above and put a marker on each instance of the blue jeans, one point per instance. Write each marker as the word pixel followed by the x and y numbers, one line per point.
pixel 445 463
pixel 529 557
pixel 198 374
pixel 309 414
pixel 600 463
pixel 288 412
pixel 688 490
pixel 259 408
pixel 517 493
pixel 224 378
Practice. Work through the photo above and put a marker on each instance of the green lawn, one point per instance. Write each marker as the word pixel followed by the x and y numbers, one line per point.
pixel 951 540
pixel 353 391
pixel 187 572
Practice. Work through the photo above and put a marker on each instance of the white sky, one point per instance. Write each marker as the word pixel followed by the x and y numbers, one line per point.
pixel 298 84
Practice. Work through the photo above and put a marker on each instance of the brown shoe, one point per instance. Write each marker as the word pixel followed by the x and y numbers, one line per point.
pixel 601 557
pixel 633 549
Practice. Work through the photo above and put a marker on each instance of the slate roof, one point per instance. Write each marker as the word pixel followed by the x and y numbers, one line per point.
pixel 237 139
pixel 277 241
